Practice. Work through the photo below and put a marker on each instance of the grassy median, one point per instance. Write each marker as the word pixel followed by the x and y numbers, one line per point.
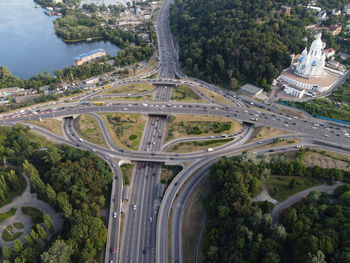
pixel 89 130
pixel 182 126
pixel 185 94
pixel 131 88
pixel 125 129
pixel 193 146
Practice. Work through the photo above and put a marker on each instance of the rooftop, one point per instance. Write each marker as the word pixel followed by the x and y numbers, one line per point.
pixel 251 89
pixel 89 53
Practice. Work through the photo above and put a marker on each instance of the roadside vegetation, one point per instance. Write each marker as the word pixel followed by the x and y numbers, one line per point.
pixel 168 173
pixel 131 88
pixel 126 129
pixel 215 97
pixel 194 212
pixel 89 130
pixel 50 124
pixel 127 169
pixel 193 146
pixel 180 126
pixel 185 94
pixel 335 106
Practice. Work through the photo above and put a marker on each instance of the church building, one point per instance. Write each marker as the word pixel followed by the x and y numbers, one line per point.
pixel 308 73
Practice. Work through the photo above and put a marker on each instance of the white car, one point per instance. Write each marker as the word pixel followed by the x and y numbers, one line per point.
pixel 134 207
pixel 115 215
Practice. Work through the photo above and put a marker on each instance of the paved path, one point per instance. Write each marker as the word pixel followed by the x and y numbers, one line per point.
pixel 28 199
pixel 297 197
pixel 264 196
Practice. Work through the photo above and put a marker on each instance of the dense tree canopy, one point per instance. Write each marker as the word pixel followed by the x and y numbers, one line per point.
pixel 223 40
pixel 318 228
pixel 72 181
pixel 237 230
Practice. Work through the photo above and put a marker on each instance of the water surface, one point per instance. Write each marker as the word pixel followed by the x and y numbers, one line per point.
pixel 29 45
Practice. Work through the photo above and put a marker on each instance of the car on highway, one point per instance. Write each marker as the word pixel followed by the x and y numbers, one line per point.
pixel 115 215
pixel 134 207
pixel 112 250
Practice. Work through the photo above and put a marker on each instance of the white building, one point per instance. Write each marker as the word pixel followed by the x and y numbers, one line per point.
pixel 311 64
pixel 295 92
pixel 309 72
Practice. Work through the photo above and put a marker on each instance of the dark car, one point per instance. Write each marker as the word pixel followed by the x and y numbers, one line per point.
pixel 112 250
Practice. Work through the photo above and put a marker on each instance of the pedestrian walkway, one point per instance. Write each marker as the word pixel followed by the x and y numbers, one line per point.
pixel 27 199
pixel 297 197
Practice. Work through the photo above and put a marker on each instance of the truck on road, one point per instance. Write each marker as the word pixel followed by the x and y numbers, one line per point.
pixel 210 149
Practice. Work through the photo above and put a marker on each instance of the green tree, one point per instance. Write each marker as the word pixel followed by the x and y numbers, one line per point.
pixel 7 252
pixel 48 222
pixel 41 231
pixel 59 252
pixel 17 246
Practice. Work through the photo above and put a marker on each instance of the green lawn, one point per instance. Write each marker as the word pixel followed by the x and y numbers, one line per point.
pixel 6 235
pixel 278 186
pixel 8 214
pixel 36 215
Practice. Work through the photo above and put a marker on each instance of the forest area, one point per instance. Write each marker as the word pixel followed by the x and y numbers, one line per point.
pixel 240 230
pixel 233 42
pixel 74 182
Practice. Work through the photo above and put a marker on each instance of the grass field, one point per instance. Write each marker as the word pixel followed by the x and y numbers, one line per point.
pixel 185 94
pixel 192 222
pixel 125 129
pixel 278 186
pixel 191 126
pixel 50 124
pixel 266 132
pixel 4 216
pixel 326 159
pixel 192 146
pixel 127 172
pixel 131 88
pixel 89 130
pixel 215 96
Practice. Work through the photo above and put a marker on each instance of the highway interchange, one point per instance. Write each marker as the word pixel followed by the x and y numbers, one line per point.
pixel 144 234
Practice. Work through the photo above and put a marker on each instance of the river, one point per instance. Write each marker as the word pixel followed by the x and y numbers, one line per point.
pixel 29 45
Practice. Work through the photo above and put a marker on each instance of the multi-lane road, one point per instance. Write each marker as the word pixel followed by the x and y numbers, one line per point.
pixel 144 234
